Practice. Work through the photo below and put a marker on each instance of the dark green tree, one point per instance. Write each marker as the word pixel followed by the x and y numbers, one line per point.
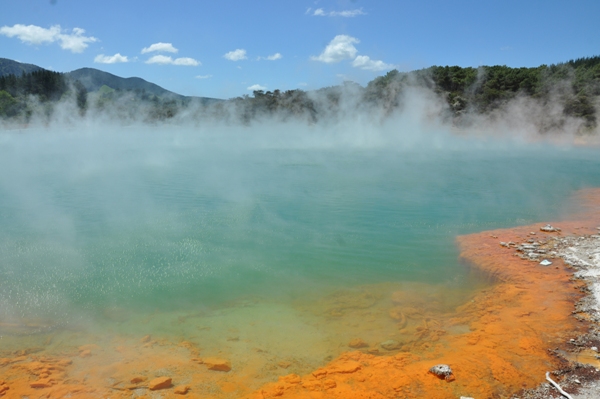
pixel 81 97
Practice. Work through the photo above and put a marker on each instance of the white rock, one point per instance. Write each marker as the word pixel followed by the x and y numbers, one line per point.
pixel 441 370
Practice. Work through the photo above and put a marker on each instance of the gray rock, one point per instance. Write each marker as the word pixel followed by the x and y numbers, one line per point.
pixel 442 371
pixel 549 229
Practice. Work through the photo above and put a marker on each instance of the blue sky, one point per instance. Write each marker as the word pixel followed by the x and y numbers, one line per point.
pixel 227 48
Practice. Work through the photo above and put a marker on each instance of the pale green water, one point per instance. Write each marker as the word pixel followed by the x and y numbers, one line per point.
pixel 178 219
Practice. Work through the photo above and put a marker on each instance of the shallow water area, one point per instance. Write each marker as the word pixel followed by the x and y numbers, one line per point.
pixel 142 253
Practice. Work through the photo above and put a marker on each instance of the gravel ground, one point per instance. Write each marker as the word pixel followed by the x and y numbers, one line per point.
pixel 578 380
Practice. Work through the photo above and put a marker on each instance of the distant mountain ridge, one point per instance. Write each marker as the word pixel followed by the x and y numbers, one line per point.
pixel 11 67
pixel 93 79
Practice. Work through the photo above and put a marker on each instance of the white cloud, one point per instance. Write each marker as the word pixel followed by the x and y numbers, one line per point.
pixel 347 13
pixel 340 48
pixel 203 76
pixel 364 62
pixel 257 87
pixel 165 47
pixel 319 12
pixel 186 61
pixel 110 59
pixel 32 34
pixel 276 56
pixel 236 55
pixel 75 41
pixel 166 60
pixel 160 59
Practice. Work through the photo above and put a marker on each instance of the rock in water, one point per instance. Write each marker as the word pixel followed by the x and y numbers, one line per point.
pixel 442 371
pixel 217 364
pixel 159 383
pixel 181 390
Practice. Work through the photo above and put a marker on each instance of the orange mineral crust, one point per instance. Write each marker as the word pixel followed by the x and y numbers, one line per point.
pixel 385 339
pixel 511 326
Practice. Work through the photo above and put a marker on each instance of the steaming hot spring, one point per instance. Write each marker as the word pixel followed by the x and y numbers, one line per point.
pixel 245 262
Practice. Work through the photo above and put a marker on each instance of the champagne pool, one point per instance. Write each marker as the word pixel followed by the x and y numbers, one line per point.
pixel 247 245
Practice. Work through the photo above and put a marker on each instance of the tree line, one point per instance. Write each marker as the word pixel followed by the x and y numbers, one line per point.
pixel 42 90
pixel 573 86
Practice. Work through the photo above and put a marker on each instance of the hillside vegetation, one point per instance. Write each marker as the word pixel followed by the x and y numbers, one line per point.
pixel 574 85
pixel 565 91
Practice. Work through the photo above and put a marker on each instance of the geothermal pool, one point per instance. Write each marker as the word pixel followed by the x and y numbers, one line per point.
pixel 269 253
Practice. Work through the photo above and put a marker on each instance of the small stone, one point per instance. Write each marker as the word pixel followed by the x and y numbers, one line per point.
pixel 217 364
pixel 545 262
pixel 41 384
pixel 145 339
pixel 138 379
pixel 390 345
pixel 181 389
pixel 594 348
pixel 357 343
pixel 442 371
pixel 549 229
pixel 347 367
pixel 160 383
pixel 283 364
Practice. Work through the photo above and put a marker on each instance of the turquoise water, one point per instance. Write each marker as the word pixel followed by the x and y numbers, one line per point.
pixel 150 219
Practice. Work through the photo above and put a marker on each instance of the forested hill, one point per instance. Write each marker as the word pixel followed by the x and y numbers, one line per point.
pixel 93 79
pixel 28 91
pixel 573 85
pixel 10 67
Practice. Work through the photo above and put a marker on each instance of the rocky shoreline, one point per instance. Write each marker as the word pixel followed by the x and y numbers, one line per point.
pixel 580 376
